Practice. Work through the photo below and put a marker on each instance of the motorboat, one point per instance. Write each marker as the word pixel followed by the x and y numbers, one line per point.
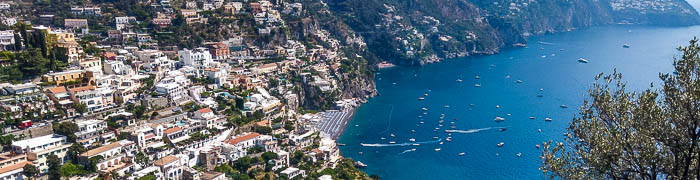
pixel 518 154
pixel 477 85
pixel 392 135
pixel 359 164
pixel 564 106
pixel 500 144
pixel 537 146
pixel 392 142
pixel 625 46
pixel 477 77
pixel 461 154
pixel 497 106
pixel 582 60
pixel 503 129
pixel 547 119
pixel 424 109
pixel 416 144
pixel 459 80
pixel 518 81
pixel 532 117
pixel 499 119
pixel 412 140
pixel 437 149
pixel 421 98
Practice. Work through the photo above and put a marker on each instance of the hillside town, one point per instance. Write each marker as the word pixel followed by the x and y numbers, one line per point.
pixel 173 89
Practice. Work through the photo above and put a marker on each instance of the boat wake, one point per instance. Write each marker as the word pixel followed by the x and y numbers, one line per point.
pixel 399 144
pixel 469 131
pixel 406 151
pixel 546 43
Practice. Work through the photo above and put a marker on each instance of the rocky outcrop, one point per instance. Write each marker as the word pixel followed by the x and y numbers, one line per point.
pixel 410 32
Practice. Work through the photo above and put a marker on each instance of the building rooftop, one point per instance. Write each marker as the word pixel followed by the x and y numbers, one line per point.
pixel 239 139
pixel 166 160
pixel 101 149
pixel 39 141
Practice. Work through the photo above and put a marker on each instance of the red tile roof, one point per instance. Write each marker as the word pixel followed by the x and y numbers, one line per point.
pixel 242 138
pixel 57 90
pixel 172 130
pixel 205 110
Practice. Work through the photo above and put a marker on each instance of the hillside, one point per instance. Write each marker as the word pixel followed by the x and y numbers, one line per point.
pixel 414 32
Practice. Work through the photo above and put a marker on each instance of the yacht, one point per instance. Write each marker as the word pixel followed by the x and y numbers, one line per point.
pixel 500 144
pixel 437 149
pixel 625 46
pixel 461 154
pixel 447 106
pixel 564 106
pixel 421 98
pixel 518 81
pixel 532 117
pixel 426 94
pixel 518 154
pixel 497 106
pixel 416 144
pixel 392 135
pixel 412 140
pixel 382 138
pixel 499 119
pixel 459 80
pixel 537 146
pixel 547 119
pixel 392 142
pixel 477 77
pixel 477 85
pixel 424 109
pixel 360 164
pixel 503 129
pixel 582 60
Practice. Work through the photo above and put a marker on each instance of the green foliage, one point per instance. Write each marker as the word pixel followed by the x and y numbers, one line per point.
pixel 67 129
pixel 30 170
pixel 634 135
pixel 80 107
pixel 69 169
pixel 54 164
pixel 263 130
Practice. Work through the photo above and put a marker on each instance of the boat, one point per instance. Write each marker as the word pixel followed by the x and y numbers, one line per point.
pixel 477 77
pixel 412 140
pixel 625 46
pixel 564 106
pixel 497 106
pixel 435 137
pixel 503 129
pixel 360 152
pixel 360 164
pixel 421 122
pixel 413 131
pixel 537 146
pixel 421 98
pixel 539 130
pixel 541 89
pixel 459 80
pixel 477 85
pixel 448 139
pixel 447 106
pixel 461 154
pixel 424 109
pixel 499 119
pixel 543 56
pixel 582 60
pixel 547 119
pixel 532 117
pixel 425 94
pixel 437 149
pixel 518 154
pixel 392 135
pixel 341 144
pixel 539 95
pixel 440 142
pixel 357 125
pixel 416 144
pixel 500 144
pixel 392 142
pixel 518 81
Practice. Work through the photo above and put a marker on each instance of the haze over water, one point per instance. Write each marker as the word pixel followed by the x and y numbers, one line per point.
pixel 562 78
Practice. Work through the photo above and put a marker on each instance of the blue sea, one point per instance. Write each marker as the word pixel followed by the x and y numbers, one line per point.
pixel 547 67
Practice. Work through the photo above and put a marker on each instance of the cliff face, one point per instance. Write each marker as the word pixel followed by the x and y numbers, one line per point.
pixel 411 32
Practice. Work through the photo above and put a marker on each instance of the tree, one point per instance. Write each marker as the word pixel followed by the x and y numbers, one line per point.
pixel 54 164
pixel 80 108
pixel 67 129
pixel 263 129
pixel 75 150
pixel 30 171
pixel 653 134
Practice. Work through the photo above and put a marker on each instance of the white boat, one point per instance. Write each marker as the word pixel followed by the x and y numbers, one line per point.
pixel 582 60
pixel 448 139
pixel 461 154
pixel 532 117
pixel 500 144
pixel 424 109
pixel 360 164
pixel 477 77
pixel 537 146
pixel 425 94
pixel 518 154
pixel 392 142
pixel 392 135
pixel 382 138
pixel 477 85
pixel 447 106
pixel 437 149
pixel 547 119
pixel 459 80
pixel 497 106
pixel 440 142
pixel 499 119
pixel 518 81
pixel 564 106
pixel 421 122
pixel 421 98
pixel 412 140
pixel 416 144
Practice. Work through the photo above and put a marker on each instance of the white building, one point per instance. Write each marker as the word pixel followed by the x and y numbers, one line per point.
pixel 39 148
pixel 170 166
pixel 90 131
pixel 199 58
pixel 292 172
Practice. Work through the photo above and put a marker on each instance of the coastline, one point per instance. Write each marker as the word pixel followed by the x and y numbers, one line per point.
pixel 345 123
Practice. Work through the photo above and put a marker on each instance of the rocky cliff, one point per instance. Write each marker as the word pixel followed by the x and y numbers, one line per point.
pixel 412 32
